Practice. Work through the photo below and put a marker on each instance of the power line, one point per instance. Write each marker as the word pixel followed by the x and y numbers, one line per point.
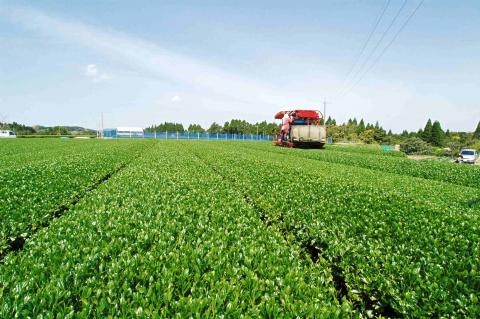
pixel 379 18
pixel 372 52
pixel 389 44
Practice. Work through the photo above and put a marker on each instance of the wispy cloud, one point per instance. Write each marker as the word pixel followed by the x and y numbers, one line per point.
pixel 176 98
pixel 151 58
pixel 92 72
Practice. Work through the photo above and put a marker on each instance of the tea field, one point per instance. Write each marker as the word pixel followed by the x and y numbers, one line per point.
pixel 161 229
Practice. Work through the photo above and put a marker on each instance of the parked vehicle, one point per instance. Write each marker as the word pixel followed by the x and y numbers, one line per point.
pixel 469 156
pixel 7 133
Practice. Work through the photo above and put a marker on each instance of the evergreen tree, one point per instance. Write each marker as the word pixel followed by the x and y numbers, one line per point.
pixel 226 127
pixel 476 134
pixel 438 135
pixel 427 132
pixel 379 133
pixel 215 128
pixel 195 128
pixel 361 126
pixel 167 126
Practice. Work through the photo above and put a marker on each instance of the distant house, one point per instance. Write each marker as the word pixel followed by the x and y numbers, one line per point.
pixel 123 132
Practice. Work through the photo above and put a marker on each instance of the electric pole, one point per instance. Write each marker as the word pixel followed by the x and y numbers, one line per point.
pixel 325 111
pixel 3 121
pixel 101 132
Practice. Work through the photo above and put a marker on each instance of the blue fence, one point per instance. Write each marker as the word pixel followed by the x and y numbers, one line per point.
pixel 192 136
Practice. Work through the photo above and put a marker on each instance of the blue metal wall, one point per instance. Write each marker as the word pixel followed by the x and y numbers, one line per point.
pixel 109 133
pixel 192 136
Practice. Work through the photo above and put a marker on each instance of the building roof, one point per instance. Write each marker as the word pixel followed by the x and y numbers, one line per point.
pixel 129 129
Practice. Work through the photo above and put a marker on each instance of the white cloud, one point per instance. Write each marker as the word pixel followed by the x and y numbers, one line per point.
pixel 93 73
pixel 176 98
pixel 91 70
pixel 152 59
pixel 102 77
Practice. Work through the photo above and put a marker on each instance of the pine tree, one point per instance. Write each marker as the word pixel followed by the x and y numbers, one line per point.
pixel 379 133
pixel 419 134
pixel 476 134
pixel 438 135
pixel 361 126
pixel 427 132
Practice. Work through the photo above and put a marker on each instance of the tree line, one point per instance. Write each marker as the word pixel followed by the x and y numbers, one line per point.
pixel 18 128
pixel 358 131
pixel 21 129
pixel 234 126
pixel 431 139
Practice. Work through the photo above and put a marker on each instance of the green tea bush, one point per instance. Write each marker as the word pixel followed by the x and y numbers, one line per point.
pixel 38 184
pixel 404 246
pixel 166 237
pixel 235 229
pixel 432 170
pixel 416 146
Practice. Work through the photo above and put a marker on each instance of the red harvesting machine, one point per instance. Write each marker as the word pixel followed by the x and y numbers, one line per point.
pixel 301 128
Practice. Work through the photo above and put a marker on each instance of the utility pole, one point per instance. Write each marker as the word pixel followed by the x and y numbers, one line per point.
pixel 101 132
pixel 325 111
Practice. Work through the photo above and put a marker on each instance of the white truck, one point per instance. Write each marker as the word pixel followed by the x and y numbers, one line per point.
pixel 7 134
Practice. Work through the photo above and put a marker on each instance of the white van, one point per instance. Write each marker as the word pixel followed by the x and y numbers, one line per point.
pixel 7 133
pixel 467 156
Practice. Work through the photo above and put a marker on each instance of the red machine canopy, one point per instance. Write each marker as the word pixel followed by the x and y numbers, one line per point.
pixel 307 114
pixel 280 115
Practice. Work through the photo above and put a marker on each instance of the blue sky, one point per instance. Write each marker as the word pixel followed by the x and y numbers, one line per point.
pixel 147 62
